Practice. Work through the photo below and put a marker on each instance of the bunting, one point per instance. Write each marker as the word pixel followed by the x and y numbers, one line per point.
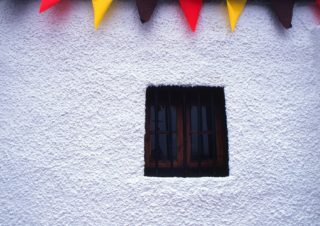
pixel 191 9
pixel 284 10
pixel 46 4
pixel 145 9
pixel 235 8
pixel 100 7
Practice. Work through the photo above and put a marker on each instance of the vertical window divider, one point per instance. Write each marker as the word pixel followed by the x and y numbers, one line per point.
pixel 156 136
pixel 184 116
pixel 213 113
pixel 200 136
pixel 169 136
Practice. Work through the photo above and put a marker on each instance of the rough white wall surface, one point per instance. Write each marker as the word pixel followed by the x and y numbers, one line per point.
pixel 72 104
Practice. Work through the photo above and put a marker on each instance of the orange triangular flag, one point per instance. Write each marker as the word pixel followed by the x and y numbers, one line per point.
pixel 191 9
pixel 46 4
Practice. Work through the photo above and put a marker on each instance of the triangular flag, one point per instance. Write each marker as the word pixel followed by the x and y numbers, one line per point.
pixel 100 7
pixel 284 10
pixel 46 4
pixel 146 8
pixel 191 9
pixel 235 8
pixel 318 1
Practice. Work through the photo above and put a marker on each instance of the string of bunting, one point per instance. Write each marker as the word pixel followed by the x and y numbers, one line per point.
pixel 191 9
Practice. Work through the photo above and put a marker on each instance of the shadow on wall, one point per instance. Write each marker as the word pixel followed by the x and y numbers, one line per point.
pixel 316 55
pixel 316 12
pixel 20 9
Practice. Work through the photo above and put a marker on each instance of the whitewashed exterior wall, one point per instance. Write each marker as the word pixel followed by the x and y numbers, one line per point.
pixel 72 115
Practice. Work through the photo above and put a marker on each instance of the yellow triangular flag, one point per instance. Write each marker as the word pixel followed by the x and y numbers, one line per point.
pixel 235 8
pixel 100 7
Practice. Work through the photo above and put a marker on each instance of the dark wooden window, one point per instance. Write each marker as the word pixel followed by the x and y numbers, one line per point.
pixel 186 132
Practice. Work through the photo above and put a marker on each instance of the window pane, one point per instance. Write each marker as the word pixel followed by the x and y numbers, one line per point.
pixel 163 123
pixel 153 146
pixel 207 122
pixel 205 151
pixel 194 147
pixel 174 147
pixel 194 118
pixel 212 146
pixel 163 147
pixel 160 152
pixel 161 118
pixel 152 118
pixel 173 113
pixel 210 118
pixel 207 147
pixel 204 118
pixel 163 144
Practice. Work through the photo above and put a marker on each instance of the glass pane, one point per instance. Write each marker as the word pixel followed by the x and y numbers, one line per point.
pixel 205 151
pixel 163 144
pixel 207 117
pixel 207 147
pixel 210 117
pixel 153 146
pixel 173 113
pixel 161 152
pixel 194 118
pixel 194 147
pixel 212 146
pixel 162 118
pixel 204 111
pixel 152 118
pixel 174 146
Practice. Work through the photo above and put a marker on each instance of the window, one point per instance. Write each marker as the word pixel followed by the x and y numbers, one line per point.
pixel 186 133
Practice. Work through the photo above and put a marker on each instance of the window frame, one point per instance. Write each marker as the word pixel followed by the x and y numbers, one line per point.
pixel 184 165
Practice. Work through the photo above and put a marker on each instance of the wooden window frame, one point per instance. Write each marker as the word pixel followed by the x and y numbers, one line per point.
pixel 184 165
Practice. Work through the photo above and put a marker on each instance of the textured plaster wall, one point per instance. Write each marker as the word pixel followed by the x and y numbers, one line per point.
pixel 72 115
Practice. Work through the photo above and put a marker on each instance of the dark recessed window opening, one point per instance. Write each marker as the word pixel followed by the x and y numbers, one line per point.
pixel 186 132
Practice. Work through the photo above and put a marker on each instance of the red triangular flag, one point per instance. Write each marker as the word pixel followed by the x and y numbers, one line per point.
pixel 146 8
pixel 284 10
pixel 46 4
pixel 191 9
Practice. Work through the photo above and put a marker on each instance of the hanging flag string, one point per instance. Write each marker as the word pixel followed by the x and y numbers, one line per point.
pixel 284 11
pixel 46 4
pixel 191 9
pixel 235 8
pixel 145 9
pixel 100 7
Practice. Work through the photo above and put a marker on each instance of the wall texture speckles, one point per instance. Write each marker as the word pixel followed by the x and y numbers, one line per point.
pixel 72 115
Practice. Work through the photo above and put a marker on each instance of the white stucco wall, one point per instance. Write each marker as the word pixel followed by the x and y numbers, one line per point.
pixel 72 115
